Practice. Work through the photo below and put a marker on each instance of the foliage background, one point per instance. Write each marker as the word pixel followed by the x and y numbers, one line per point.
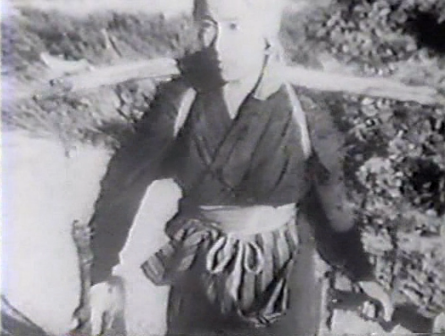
pixel 395 152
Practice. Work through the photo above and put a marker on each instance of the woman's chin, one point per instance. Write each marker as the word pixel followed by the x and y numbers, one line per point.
pixel 230 76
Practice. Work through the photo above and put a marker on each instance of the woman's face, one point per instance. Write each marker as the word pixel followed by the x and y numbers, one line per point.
pixel 233 38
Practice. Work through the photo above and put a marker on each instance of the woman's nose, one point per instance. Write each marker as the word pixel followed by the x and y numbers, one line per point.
pixel 207 38
pixel 221 43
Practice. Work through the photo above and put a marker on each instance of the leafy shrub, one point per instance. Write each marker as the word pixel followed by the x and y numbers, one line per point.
pixel 395 151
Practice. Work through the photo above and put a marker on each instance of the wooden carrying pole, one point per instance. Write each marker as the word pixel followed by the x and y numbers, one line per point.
pixel 164 68
pixel 93 78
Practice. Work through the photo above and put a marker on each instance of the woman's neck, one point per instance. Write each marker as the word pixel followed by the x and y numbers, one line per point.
pixel 235 92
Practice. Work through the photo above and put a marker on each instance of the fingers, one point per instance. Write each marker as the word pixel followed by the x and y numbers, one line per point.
pixel 384 300
pixel 106 300
pixel 369 310
pixel 388 309
pixel 80 320
pixel 97 323
pixel 101 322
pixel 101 303
pixel 75 323
pixel 376 292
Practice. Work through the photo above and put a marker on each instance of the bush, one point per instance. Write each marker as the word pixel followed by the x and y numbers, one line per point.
pixel 395 151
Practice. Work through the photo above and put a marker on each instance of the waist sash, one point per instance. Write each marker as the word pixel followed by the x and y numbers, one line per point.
pixel 228 238
pixel 239 221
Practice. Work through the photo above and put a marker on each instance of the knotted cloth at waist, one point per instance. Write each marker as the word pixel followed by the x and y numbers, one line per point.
pixel 233 242
pixel 239 221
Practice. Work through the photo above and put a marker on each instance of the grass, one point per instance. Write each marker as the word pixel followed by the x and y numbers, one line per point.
pixel 86 118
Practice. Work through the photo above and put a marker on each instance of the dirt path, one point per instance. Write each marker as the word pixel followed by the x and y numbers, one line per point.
pixel 44 192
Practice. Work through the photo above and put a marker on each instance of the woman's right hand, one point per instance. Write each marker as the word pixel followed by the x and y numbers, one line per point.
pixel 106 302
pixel 376 292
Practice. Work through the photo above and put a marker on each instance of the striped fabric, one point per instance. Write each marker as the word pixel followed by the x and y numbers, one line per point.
pixel 244 275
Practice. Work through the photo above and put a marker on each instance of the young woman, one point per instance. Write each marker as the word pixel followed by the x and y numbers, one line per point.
pixel 232 134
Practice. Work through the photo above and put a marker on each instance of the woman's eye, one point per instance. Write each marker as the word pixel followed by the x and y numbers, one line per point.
pixel 207 32
pixel 206 25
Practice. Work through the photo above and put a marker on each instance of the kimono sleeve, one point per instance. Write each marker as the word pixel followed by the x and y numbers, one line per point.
pixel 133 167
pixel 326 205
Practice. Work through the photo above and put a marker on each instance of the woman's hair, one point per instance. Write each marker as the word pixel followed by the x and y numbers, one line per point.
pixel 199 7
pixel 268 11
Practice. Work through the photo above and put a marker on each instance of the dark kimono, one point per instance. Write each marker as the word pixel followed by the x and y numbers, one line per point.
pixel 264 156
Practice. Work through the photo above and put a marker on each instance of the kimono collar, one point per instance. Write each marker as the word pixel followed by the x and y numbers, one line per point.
pixel 271 79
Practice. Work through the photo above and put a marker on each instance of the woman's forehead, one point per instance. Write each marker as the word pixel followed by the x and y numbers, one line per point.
pixel 264 15
pixel 222 10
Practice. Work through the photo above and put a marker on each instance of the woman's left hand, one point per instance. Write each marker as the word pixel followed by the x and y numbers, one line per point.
pixel 378 293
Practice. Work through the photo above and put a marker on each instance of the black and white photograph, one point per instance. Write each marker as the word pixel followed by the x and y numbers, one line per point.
pixel 222 167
